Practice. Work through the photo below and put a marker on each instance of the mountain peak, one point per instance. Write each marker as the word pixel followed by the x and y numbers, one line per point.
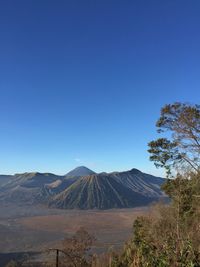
pixel 80 171
pixel 109 190
pixel 135 171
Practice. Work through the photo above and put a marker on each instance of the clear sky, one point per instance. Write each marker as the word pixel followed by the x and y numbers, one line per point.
pixel 82 82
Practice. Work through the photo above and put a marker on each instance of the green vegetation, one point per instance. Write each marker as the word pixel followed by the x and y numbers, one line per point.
pixel 181 150
pixel 170 234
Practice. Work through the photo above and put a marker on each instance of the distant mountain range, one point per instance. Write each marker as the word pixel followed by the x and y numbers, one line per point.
pixel 82 188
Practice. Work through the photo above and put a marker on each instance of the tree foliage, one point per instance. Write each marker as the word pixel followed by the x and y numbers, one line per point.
pixel 171 236
pixel 181 150
pixel 76 249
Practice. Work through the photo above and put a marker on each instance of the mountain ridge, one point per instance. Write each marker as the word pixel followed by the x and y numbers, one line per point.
pixel 82 188
pixel 110 190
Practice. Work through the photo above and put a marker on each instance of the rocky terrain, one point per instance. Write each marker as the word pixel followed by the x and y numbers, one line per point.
pixel 82 188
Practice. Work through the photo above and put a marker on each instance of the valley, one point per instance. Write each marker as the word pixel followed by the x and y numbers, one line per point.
pixel 38 210
pixel 42 228
pixel 37 228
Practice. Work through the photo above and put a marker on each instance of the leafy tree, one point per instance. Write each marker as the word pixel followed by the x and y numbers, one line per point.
pixel 182 149
pixel 171 236
pixel 77 247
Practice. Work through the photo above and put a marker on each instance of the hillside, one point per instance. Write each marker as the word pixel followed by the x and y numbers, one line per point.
pixel 36 187
pixel 82 188
pixel 64 182
pixel 142 183
pixel 115 190
pixel 26 187
pixel 5 179
pixel 31 179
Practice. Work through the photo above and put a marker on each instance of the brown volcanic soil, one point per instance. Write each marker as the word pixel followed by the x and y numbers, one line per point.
pixel 111 228
pixel 38 228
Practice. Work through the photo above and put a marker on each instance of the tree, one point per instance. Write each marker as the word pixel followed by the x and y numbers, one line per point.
pixel 171 236
pixel 77 247
pixel 182 149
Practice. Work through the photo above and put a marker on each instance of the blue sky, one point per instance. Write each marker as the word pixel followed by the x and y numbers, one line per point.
pixel 82 82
